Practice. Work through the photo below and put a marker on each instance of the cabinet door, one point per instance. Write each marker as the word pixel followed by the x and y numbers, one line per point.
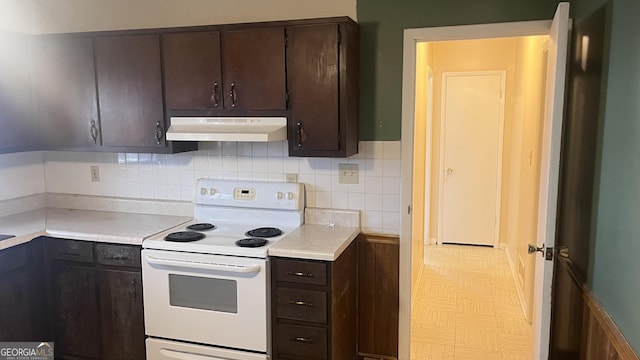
pixel 192 70
pixel 15 312
pixel 76 316
pixel 130 90
pixel 378 299
pixel 312 71
pixel 253 66
pixel 18 129
pixel 121 314
pixel 65 100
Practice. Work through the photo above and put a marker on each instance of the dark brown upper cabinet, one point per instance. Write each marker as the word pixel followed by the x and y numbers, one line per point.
pixel 239 70
pixel 253 65
pixel 65 98
pixel 130 91
pixel 192 70
pixel 322 79
pixel 18 131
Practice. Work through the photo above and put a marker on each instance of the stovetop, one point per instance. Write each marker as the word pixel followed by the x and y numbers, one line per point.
pixel 221 240
pixel 234 208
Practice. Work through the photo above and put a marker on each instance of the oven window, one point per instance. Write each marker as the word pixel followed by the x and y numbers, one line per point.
pixel 203 293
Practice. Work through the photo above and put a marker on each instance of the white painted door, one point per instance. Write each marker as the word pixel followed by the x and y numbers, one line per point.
pixel 472 111
pixel 549 171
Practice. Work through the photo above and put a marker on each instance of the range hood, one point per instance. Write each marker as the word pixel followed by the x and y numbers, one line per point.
pixel 246 129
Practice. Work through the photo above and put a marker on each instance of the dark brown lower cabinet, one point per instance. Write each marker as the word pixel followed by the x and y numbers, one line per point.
pixel 96 300
pixel 378 296
pixel 314 310
pixel 75 310
pixel 22 305
pixel 121 314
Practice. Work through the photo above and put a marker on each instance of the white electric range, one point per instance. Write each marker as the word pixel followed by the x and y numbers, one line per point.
pixel 206 283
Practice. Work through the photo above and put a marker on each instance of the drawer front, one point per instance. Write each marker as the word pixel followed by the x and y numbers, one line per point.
pixel 12 258
pixel 304 305
pixel 118 255
pixel 70 250
pixel 306 341
pixel 302 272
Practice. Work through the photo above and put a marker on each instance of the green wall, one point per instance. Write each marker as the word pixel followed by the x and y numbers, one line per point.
pixel 615 258
pixel 381 25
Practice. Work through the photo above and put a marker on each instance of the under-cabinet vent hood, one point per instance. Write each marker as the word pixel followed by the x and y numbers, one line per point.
pixel 256 129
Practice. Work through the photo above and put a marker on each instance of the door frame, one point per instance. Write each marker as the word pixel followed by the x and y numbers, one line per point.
pixel 410 40
pixel 427 158
pixel 442 146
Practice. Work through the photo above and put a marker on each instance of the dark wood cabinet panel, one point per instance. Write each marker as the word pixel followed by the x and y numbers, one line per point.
pixel 192 70
pixel 378 295
pixel 121 314
pixel 18 127
pixel 253 66
pixel 15 310
pixel 315 320
pixel 322 79
pixel 65 99
pixel 23 315
pixel 312 70
pixel 130 91
pixel 75 312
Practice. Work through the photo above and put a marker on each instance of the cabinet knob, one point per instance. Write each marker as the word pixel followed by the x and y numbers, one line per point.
pixel 233 95
pixel 159 133
pixel 214 95
pixel 94 132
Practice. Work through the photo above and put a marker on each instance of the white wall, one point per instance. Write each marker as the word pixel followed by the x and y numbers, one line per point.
pixel 172 177
pixel 21 174
pixel 49 16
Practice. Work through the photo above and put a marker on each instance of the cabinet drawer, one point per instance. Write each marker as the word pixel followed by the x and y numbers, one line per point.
pixel 70 250
pixel 307 341
pixel 304 305
pixel 12 258
pixel 303 272
pixel 118 255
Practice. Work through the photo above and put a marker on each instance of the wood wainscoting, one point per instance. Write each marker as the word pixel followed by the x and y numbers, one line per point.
pixel 378 296
pixel 601 338
pixel 576 307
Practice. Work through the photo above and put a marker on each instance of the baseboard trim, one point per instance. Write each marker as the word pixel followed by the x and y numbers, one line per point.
pixel 514 275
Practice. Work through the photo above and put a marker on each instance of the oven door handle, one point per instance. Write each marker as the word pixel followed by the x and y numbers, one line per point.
pixel 203 265
pixel 179 355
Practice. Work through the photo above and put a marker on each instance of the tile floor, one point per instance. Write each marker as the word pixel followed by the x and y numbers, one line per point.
pixel 467 307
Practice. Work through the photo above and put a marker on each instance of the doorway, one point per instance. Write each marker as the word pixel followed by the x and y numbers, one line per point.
pixel 489 99
pixel 558 31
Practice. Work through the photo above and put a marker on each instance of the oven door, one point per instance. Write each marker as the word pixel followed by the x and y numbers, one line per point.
pixel 207 299
pixel 159 349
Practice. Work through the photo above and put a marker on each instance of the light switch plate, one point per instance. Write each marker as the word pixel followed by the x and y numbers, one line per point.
pixel 348 173
pixel 95 173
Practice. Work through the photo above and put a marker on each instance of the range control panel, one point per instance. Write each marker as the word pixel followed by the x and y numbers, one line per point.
pixel 250 194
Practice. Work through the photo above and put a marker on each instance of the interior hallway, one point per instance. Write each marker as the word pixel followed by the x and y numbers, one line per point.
pixel 467 307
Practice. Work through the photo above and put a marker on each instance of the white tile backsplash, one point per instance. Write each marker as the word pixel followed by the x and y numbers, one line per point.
pixel 172 177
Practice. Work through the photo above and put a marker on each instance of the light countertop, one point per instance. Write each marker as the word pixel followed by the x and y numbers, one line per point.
pixel 100 226
pixel 315 242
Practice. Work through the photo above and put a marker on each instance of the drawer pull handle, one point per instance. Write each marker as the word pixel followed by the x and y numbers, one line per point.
pixel 68 253
pixel 116 257
pixel 301 303
pixel 301 274
pixel 303 340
